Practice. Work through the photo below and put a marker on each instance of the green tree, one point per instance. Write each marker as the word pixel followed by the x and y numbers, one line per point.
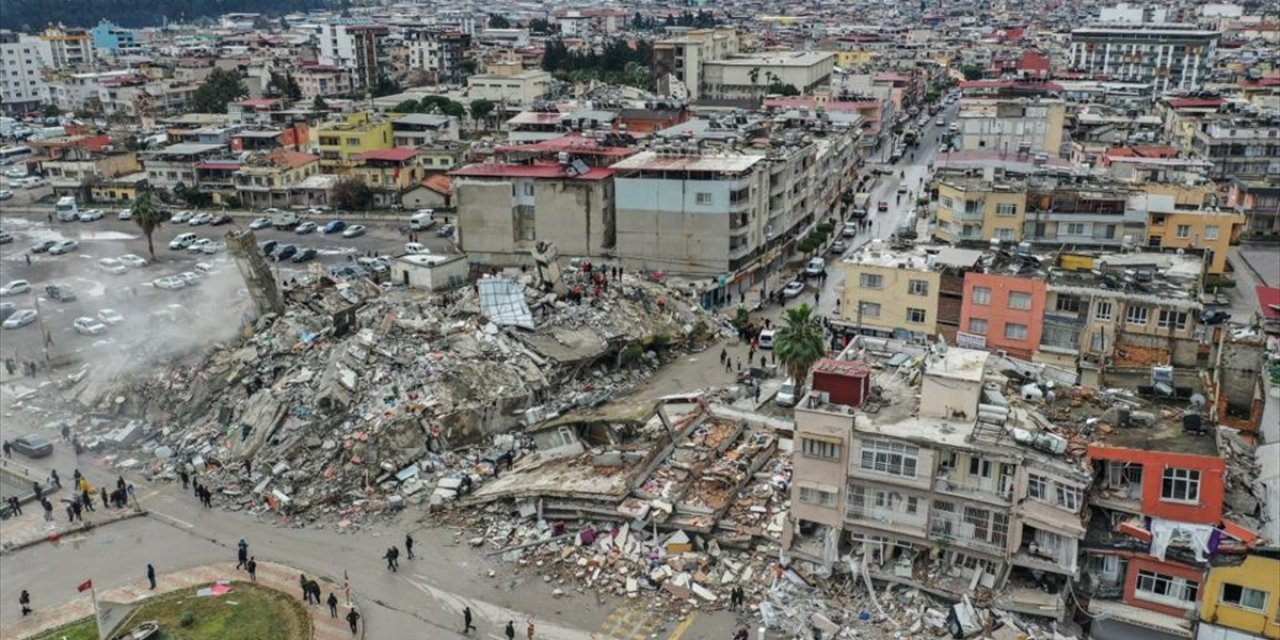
pixel 754 74
pixel 498 21
pixel 352 194
pixel 971 72
pixel 408 106
pixel 799 342
pixel 481 109
pixel 319 104
pixel 50 111
pixel 220 88
pixel 148 216
pixel 291 88
pixel 540 26
pixel 385 86
pixel 783 89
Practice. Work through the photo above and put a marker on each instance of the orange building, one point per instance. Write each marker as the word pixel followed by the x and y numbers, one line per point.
pixel 1002 312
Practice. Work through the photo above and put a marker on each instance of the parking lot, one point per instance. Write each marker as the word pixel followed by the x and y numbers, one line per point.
pixel 154 318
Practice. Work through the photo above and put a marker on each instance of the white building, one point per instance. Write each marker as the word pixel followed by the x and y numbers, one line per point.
pixel 750 76
pixel 519 90
pixel 1170 56
pixel 357 48
pixel 22 85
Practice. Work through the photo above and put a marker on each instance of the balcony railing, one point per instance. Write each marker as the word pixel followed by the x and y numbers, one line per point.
pixel 942 483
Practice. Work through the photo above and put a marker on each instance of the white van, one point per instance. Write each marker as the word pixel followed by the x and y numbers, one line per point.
pixel 415 247
pixel 182 241
pixel 815 267
pixel 422 220
pixel 765 340
pixel 67 209
pixel 788 394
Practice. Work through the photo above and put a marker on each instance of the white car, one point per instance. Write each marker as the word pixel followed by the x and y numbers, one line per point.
pixel 205 267
pixel 15 287
pixel 213 247
pixel 20 318
pixel 112 266
pixel 765 340
pixel 260 223
pixel 315 211
pixel 305 228
pixel 87 326
pixel 200 218
pixel 788 394
pixel 416 247
pixel 125 214
pixel 110 317
pixel 353 231
pixel 181 217
pixel 131 260
pixel 182 241
pixel 66 246
pixel 5 194
pixel 89 215
pixel 198 244
pixel 170 283
pixel 190 277
pixel 793 289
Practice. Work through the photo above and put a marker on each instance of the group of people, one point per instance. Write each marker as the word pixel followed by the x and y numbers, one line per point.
pixel 29 368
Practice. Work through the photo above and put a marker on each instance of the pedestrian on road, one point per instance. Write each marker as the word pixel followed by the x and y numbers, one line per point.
pixel 408 545
pixel 120 483
pixel 353 618
pixel 739 363
pixel 151 576
pixel 529 628
pixel 8 449
pixel 741 634
pixel 35 488
pixel 511 630
pixel 105 504
pixel 390 557
pixel 333 605
pixel 186 478
pixel 302 583
pixel 757 399
pixel 24 599
pixel 728 365
pixel 75 506
pixel 252 567
pixel 466 620
pixel 15 505
pixel 242 553
pixel 86 499
pixel 53 476
pixel 315 592
pixel 724 355
pixel 48 509
pixel 195 489
pixel 132 496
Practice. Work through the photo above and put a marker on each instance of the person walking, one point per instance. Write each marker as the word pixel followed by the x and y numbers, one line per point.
pixel 86 499
pixel 151 576
pixel 53 477
pixel 314 587
pixel 724 355
pixel 24 600
pixel 528 629
pixel 103 493
pixel 48 509
pixel 8 449
pixel 466 620
pixel 186 478
pixel 333 605
pixel 390 557
pixel 242 554
pixel 353 619
pixel 511 630
pixel 252 567
pixel 302 584
pixel 408 546
pixel 35 488
pixel 78 509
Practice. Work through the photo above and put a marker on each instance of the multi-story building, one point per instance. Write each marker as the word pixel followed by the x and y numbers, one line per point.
pixel 67 48
pixel 22 84
pixel 681 58
pixel 933 488
pixel 318 80
pixel 1242 601
pixel 266 180
pixel 1002 312
pixel 76 164
pixel 339 142
pixel 1210 231
pixel 177 164
pixel 519 90
pixel 1239 147
pixel 751 76
pixel 357 48
pixel 389 173
pixel 974 210
pixel 423 129
pixel 890 293
pixel 587 22
pixel 1010 126
pixel 1088 214
pixel 113 39
pixel 1169 56
pixel 1259 201
pixel 439 53
pixel 505 210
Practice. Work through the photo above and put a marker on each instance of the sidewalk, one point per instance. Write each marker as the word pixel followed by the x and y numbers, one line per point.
pixel 275 576
pixel 31 528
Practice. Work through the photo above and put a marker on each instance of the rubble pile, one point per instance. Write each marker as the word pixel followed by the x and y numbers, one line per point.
pixel 357 399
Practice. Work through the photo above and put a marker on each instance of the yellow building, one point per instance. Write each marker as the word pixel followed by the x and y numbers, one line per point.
pixel 265 181
pixel 358 133
pixel 1192 227
pixel 851 59
pixel 1242 601
pixel 978 210
pixel 890 293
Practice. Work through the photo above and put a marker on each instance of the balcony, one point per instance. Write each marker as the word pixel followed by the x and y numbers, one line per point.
pixel 975 491
pixel 885 519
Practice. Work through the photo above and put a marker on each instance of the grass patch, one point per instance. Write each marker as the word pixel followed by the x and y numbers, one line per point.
pixel 248 611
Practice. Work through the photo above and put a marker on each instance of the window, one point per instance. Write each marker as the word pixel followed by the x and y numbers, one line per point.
pixel 1184 231
pixel 1037 487
pixel 1243 597
pixel 704 198
pixel 982 295
pixel 528 189
pixel 979 467
pixel 1102 310
pixel 978 326
pixel 918 287
pixel 881 499
pixel 1172 320
pixel 353 142
pixel 915 315
pixel 1004 234
pixel 870 281
pixel 1136 314
pixel 1178 592
pixel 1180 485
pixel 1019 300
pixel 1078 229
pixel 814 495
pixel 1068 497
pixel 947 202
pixel 1006 209
pixel 890 458
pixel 1211 232
pixel 870 309
pixel 1068 304
pixel 820 449
pixel 913 505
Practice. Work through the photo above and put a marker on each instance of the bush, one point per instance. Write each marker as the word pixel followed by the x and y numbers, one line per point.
pixel 825 228
pixel 187 619
pixel 922 201
pixel 1218 282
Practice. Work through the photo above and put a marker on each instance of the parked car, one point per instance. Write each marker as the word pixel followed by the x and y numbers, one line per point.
pixel 315 211
pixel 352 271
pixel 200 218
pixel 7 309
pixel 190 277
pixel 181 217
pixel 170 283
pixel 5 194
pixel 445 231
pixel 20 318
pixel 135 261
pixel 793 289
pixel 765 339
pixel 112 266
pixel 815 267
pixel 198 244
pixel 882 206
pixel 5 237
pixel 221 219
pixel 205 267
pixel 125 214
pixel 110 317
pixel 44 246
pixel 415 247
pixel 66 246
pixel 213 247
pixel 838 247
pixel 89 215
pixel 32 445
pixel 788 394
pixel 334 226
pixel 284 251
pixel 304 255
pixel 1214 316
pixel 60 293
pixel 268 247
pixel 15 287
pixel 353 231
pixel 305 228
pixel 87 326
pixel 260 223
pixel 182 241
pixel 902 189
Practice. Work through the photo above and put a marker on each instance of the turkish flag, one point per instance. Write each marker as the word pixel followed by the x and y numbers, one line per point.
pixel 85 586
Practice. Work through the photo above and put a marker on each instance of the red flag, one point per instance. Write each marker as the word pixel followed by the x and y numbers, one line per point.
pixel 85 586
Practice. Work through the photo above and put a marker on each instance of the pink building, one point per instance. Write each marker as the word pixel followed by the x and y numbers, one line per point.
pixel 1002 312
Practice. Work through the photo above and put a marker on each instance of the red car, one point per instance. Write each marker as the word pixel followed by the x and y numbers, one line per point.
pixel 883 206
pixel 220 219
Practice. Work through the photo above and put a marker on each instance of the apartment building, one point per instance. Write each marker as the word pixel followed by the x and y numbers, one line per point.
pixel 505 210
pixel 113 39
pixel 324 81
pixel 1241 599
pixel 177 164
pixel 438 52
pixel 1169 56
pixel 75 164
pixel 890 293
pixel 1239 147
pixel 923 493
pixel 266 180
pixel 389 172
pixel 977 210
pixel 751 76
pixel 1259 201
pixel 1082 213
pixel 339 142
pixel 1010 125
pixel 22 84
pixel 514 91
pixel 423 129
pixel 1002 312
pixel 681 58
pixel 587 22
pixel 1209 231
pixel 359 48
pixel 67 49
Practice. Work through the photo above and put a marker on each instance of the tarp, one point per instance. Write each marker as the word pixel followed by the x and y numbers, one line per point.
pixel 502 301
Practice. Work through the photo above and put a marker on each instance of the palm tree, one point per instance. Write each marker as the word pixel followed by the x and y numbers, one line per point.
pixel 800 342
pixel 148 216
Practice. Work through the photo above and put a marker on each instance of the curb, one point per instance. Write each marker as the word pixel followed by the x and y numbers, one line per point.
pixel 81 528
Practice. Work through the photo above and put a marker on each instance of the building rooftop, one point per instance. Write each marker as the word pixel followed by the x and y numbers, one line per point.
pixel 544 170
pixel 423 119
pixel 779 59
pixel 958 364
pixel 427 259
pixel 876 254
pixel 720 163
pixel 187 149
pixel 389 155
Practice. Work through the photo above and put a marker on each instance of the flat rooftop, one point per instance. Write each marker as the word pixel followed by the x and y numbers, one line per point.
pixel 958 363
pixel 649 160
pixel 780 59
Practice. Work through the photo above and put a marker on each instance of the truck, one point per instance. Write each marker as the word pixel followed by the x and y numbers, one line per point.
pixel 285 220
pixel 860 203
pixel 910 137
pixel 66 209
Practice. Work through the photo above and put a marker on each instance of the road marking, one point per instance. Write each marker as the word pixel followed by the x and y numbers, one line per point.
pixel 180 523
pixel 683 626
